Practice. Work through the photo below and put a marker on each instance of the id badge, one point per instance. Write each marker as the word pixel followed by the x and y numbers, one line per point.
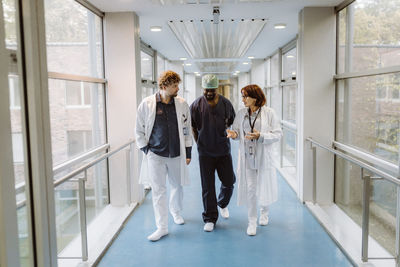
pixel 251 149
pixel 185 131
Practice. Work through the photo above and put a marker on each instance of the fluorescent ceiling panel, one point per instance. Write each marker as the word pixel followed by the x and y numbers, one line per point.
pixel 202 2
pixel 226 39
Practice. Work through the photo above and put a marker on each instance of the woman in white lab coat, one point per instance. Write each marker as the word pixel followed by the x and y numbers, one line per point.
pixel 257 128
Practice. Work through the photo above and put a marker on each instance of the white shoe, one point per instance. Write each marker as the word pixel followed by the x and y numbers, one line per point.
pixel 157 234
pixel 209 227
pixel 252 229
pixel 263 219
pixel 178 219
pixel 224 212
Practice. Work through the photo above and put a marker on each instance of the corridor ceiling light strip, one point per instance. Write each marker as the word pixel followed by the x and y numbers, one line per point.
pixel 280 26
pixel 207 2
pixel 227 39
pixel 155 28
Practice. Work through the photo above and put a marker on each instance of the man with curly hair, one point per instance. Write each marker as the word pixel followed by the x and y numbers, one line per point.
pixel 163 133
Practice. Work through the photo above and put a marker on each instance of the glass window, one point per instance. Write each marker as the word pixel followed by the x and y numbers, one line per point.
pixel 65 120
pixel 275 79
pixel 366 119
pixel 348 196
pixel 14 92
pixel 10 24
pixel 77 93
pixel 73 35
pixel 78 142
pixel 18 147
pixel 289 102
pixel 369 35
pixel 146 66
pixel 288 148
pixel 289 65
pixel 18 133
pixel 160 65
pixel 267 67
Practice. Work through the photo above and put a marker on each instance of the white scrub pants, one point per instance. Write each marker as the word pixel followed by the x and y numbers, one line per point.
pixel 158 168
pixel 251 180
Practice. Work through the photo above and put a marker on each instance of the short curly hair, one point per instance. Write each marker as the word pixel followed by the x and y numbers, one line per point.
pixel 167 78
pixel 254 91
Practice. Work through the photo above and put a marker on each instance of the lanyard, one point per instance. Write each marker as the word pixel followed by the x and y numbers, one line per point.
pixel 254 122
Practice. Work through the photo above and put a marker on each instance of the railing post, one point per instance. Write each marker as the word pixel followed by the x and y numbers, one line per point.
pixel 365 215
pixel 398 228
pixel 314 162
pixel 128 175
pixel 282 148
pixel 82 216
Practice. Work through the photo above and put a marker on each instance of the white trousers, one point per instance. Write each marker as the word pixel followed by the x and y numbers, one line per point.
pixel 251 180
pixel 158 169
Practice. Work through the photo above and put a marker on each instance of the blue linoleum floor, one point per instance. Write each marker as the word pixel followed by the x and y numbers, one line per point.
pixel 292 238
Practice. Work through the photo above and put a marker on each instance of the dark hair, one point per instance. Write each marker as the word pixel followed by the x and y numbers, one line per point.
pixel 167 78
pixel 254 91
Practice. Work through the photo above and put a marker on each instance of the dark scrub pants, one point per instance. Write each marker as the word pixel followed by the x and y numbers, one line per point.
pixel 223 165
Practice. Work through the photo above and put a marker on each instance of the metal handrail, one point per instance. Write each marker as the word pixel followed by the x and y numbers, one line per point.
pixel 82 197
pixel 20 187
pixel 90 164
pixel 65 165
pixel 82 193
pixel 365 196
pixel 371 159
pixel 361 164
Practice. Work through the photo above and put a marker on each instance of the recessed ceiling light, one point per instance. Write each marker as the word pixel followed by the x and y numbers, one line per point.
pixel 188 64
pixel 293 73
pixel 280 26
pixel 290 56
pixel 196 72
pixel 245 63
pixel 155 28
pixel 145 59
pixel 182 58
pixel 235 73
pixel 250 57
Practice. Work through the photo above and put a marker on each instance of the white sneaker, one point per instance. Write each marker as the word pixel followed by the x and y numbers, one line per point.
pixel 157 234
pixel 224 212
pixel 263 219
pixel 178 219
pixel 209 227
pixel 252 229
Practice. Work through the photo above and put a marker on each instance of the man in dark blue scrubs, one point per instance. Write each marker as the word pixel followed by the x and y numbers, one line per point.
pixel 211 115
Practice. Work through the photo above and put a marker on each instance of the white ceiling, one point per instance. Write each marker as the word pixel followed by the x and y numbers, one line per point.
pixel 153 13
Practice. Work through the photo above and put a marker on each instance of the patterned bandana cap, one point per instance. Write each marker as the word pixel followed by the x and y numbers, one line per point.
pixel 209 81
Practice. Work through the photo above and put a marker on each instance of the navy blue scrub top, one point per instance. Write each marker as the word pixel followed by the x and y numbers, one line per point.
pixel 211 123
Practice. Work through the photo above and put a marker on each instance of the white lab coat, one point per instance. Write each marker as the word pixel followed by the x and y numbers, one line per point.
pixel 145 118
pixel 271 132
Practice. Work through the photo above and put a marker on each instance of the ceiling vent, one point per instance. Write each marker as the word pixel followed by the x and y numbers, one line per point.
pixel 227 39
pixel 207 2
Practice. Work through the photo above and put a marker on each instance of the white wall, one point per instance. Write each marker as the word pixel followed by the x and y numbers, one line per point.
pixel 190 85
pixel 177 67
pixel 243 80
pixel 316 99
pixel 122 62
pixel 257 73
